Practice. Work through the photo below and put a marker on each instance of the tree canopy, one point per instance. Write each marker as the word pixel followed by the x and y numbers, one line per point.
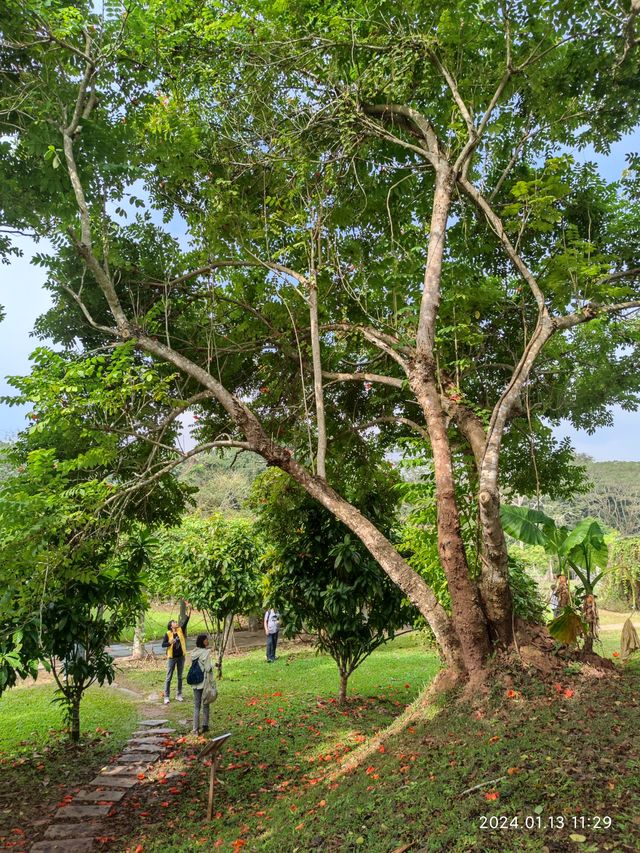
pixel 387 235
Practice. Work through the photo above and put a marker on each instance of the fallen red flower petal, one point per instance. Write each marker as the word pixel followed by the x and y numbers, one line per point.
pixel 491 795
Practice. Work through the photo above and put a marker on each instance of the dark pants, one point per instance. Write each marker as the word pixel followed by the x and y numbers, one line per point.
pixel 197 705
pixel 174 663
pixel 272 642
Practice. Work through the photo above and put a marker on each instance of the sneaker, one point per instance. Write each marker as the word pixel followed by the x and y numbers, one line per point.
pixel 179 698
pixel 205 729
pixel 166 700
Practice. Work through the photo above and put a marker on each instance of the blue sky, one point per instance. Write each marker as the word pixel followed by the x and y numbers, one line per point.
pixel 22 295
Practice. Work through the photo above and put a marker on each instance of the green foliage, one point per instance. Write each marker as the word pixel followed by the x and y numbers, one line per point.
pixel 527 601
pixel 77 623
pixel 321 578
pixel 214 563
pixel 582 549
pixel 223 480
pixel 622 581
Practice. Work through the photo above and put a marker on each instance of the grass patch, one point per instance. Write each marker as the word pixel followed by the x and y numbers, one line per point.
pixel 610 617
pixel 562 759
pixel 37 764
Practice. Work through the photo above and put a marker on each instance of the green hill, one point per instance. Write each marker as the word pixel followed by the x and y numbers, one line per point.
pixel 223 479
pixel 614 497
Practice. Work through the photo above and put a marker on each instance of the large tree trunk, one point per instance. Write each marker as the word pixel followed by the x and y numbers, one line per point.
pixel 468 617
pixel 495 592
pixel 139 649
pixel 494 580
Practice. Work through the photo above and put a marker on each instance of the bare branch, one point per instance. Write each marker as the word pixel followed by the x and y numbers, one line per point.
pixel 416 118
pixel 392 419
pixel 109 330
pixel 222 264
pixel 591 311
pixel 363 377
pixel 453 86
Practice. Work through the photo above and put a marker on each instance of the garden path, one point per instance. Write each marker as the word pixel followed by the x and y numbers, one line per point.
pixel 77 822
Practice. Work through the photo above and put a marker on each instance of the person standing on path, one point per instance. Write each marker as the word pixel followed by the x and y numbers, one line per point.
pixel 175 642
pixel 271 628
pixel 202 654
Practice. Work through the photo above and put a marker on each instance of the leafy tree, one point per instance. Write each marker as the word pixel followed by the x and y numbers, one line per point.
pixel 322 579
pixel 388 236
pixel 66 595
pixel 214 563
pixel 78 622
pixel 70 567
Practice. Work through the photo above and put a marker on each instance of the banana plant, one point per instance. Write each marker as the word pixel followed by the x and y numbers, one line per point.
pixel 582 549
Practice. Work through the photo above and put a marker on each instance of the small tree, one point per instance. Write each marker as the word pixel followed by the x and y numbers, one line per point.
pixel 214 563
pixel 77 628
pixel 582 550
pixel 321 577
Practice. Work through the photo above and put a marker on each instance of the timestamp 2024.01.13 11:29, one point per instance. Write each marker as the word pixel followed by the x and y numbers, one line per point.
pixel 540 821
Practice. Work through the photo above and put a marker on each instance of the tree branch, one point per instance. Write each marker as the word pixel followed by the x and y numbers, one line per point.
pixel 363 377
pixel 408 114
pixel 108 330
pixel 591 311
pixel 392 419
pixel 496 225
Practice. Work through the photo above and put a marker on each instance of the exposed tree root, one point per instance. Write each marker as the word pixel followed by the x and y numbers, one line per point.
pixel 423 707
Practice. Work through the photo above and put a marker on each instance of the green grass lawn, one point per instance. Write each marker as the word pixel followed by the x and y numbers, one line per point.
pixel 37 765
pixel 611 617
pixel 554 753
pixel 29 719
pixel 559 758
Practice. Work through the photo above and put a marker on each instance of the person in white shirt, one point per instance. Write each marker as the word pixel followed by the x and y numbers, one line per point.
pixel 271 628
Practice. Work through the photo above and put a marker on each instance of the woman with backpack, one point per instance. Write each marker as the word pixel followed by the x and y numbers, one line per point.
pixel 200 677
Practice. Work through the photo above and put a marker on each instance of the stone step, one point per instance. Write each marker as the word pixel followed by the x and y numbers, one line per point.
pixel 67 845
pixel 81 810
pixel 144 759
pixel 58 831
pixel 104 796
pixel 125 782
pixel 145 747
pixel 123 769
pixel 152 722
pixel 154 732
pixel 154 741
